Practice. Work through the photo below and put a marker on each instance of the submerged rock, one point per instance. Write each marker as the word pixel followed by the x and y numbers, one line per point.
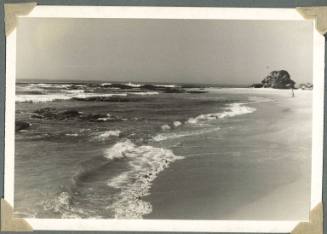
pixel 52 113
pixel 278 80
pixel 21 125
pixel 173 90
pixel 68 114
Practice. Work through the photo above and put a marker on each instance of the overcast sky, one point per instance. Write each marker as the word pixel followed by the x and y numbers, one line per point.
pixel 199 51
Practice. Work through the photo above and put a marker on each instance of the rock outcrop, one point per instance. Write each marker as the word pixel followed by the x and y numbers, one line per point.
pixel 278 80
pixel 21 125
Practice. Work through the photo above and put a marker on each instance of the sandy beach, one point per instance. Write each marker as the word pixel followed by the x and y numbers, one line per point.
pixel 258 167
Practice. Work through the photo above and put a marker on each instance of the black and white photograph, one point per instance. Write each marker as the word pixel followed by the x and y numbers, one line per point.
pixel 163 119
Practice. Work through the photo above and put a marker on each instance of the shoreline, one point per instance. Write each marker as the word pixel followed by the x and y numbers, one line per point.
pixel 285 190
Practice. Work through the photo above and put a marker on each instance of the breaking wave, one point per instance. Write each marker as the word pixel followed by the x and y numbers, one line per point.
pixel 146 162
pixel 89 95
pixel 49 86
pixel 130 84
pixel 62 96
pixel 166 85
pixel 232 110
pixel 41 98
pixel 144 93
pixel 106 84
pixel 72 94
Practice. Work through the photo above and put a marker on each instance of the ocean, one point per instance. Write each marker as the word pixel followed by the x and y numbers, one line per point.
pixel 134 150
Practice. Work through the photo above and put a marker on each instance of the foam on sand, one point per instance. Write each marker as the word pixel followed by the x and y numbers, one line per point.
pixel 146 162
pixel 231 110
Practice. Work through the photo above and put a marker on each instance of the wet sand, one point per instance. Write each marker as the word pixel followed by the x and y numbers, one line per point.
pixel 256 167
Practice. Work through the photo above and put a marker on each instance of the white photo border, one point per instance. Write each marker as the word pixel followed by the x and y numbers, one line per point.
pixel 168 13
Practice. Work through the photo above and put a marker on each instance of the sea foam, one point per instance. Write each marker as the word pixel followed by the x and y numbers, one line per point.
pixel 144 93
pixel 146 162
pixel 90 95
pixel 107 134
pixel 62 96
pixel 165 127
pixel 169 136
pixel 177 124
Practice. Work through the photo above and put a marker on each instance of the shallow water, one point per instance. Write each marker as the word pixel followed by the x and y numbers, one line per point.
pixel 118 164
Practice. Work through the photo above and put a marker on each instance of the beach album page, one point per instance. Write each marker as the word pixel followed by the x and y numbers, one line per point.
pixel 163 118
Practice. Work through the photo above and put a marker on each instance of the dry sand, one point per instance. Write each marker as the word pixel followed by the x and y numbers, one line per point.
pixel 296 125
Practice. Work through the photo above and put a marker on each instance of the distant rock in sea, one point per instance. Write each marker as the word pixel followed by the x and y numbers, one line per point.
pixel 276 80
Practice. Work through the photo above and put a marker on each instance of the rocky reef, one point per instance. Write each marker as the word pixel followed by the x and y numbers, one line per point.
pixel 52 113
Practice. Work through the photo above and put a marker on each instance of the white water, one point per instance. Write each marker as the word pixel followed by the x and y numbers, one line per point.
pixel 169 136
pixel 146 162
pixel 107 134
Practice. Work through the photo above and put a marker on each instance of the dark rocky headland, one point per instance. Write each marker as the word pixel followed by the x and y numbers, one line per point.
pixel 276 80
